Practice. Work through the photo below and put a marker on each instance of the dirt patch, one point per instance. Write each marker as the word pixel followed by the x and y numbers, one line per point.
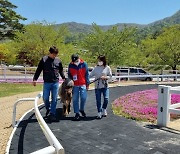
pixel 174 124
pixel 6 108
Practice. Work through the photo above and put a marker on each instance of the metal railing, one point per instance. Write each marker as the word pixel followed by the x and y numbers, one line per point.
pixel 19 74
pixel 14 122
pixel 158 77
pixel 164 104
pixel 55 147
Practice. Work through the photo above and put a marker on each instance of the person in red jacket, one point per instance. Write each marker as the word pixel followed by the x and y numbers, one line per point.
pixel 78 72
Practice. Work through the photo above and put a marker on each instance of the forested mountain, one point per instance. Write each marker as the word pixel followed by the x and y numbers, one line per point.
pixel 152 27
pixel 156 27
pixel 174 19
pixel 85 28
pixel 77 27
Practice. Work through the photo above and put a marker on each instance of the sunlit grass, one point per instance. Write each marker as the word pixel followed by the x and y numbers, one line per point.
pixel 9 89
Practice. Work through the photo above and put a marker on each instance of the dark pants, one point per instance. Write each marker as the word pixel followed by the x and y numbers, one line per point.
pixel 105 92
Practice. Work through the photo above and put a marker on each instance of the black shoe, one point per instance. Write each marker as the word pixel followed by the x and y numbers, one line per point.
pixel 52 118
pixel 47 112
pixel 77 117
pixel 83 113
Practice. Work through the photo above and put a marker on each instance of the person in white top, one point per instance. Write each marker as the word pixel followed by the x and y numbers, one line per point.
pixel 102 72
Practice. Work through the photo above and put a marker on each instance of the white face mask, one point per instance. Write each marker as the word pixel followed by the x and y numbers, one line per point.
pixel 77 63
pixel 100 63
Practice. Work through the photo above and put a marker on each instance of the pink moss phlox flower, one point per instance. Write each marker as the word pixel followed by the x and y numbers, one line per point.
pixel 142 104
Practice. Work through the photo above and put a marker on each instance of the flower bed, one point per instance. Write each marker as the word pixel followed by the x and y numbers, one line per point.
pixel 141 105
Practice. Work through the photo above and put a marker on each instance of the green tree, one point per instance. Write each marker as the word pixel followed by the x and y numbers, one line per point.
pixel 114 44
pixel 165 49
pixel 9 20
pixel 6 53
pixel 36 39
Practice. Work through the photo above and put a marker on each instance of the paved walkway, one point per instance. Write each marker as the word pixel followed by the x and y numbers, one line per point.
pixel 110 135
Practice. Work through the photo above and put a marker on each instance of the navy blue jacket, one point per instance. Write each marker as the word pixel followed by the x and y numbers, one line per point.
pixel 51 69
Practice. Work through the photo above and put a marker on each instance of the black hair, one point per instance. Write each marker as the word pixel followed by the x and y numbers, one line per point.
pixel 53 49
pixel 74 57
pixel 103 59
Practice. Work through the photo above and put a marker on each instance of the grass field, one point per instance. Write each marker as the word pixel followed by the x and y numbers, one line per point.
pixel 9 89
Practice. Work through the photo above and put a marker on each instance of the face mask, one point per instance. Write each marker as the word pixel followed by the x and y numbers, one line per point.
pixel 77 63
pixel 100 63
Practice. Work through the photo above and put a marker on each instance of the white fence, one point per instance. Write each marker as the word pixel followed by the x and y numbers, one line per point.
pixel 170 71
pixel 55 147
pixel 25 74
pixel 14 122
pixel 155 78
pixel 17 74
pixel 164 104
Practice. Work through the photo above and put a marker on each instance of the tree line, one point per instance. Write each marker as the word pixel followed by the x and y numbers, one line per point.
pixel 27 44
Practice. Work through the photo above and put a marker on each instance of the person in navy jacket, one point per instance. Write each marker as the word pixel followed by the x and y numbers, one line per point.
pixel 51 66
pixel 78 72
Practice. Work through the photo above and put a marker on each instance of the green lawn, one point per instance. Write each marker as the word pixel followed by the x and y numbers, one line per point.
pixel 9 89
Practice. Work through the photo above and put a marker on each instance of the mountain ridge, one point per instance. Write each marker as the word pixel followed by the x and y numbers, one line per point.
pixel 75 27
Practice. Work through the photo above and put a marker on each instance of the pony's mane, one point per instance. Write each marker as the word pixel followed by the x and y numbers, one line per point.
pixel 68 83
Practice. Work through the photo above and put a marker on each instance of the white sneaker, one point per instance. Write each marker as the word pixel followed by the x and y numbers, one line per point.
pixel 99 116
pixel 104 112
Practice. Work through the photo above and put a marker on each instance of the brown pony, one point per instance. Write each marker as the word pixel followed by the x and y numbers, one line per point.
pixel 65 93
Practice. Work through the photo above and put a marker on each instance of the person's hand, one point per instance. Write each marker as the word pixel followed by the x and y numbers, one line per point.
pixel 64 78
pixel 103 77
pixel 87 87
pixel 34 83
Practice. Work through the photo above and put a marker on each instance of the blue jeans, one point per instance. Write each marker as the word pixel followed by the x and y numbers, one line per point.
pixel 79 91
pixel 53 89
pixel 105 92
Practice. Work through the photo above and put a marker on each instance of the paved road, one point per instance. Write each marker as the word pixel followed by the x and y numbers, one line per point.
pixel 110 135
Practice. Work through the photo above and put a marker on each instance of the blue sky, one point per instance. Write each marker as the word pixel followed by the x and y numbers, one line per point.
pixel 102 12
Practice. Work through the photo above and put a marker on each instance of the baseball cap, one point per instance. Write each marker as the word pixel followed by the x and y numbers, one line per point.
pixel 74 57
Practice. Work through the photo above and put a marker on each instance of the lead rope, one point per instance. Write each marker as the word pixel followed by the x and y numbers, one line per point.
pixel 104 82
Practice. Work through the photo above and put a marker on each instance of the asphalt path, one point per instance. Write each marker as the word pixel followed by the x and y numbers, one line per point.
pixel 110 135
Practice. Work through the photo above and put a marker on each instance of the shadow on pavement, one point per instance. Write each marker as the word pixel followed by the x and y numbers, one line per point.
pixel 167 129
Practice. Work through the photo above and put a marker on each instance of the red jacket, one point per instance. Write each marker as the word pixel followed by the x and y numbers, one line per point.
pixel 79 74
